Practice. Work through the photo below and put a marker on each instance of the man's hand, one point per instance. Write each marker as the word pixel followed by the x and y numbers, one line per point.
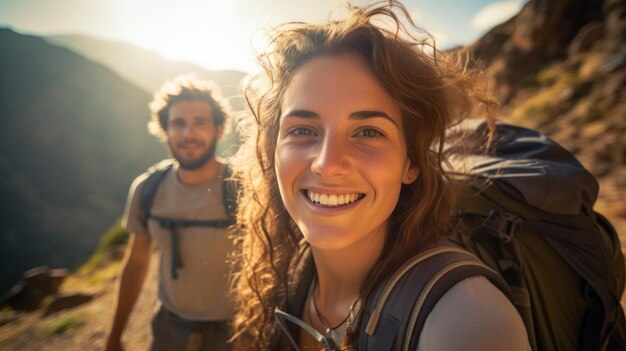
pixel 131 281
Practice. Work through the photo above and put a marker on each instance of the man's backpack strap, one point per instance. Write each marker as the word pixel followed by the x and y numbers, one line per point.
pixel 229 194
pixel 155 175
pixel 394 316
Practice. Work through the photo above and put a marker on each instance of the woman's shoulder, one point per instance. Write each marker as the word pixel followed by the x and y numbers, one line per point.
pixel 474 315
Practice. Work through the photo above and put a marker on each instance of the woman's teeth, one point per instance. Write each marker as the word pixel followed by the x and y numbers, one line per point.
pixel 333 199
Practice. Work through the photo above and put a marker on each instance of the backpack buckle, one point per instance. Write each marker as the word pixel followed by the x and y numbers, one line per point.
pixel 503 225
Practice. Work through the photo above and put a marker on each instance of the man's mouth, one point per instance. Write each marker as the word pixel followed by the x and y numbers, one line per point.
pixel 190 146
pixel 332 200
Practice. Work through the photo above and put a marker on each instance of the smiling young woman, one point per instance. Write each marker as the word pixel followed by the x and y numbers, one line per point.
pixel 337 123
pixel 343 182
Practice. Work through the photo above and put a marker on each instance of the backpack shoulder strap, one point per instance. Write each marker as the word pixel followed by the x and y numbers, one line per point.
pixel 394 316
pixel 155 175
pixel 229 194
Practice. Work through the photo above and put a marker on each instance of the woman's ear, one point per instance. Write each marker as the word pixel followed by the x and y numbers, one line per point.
pixel 411 172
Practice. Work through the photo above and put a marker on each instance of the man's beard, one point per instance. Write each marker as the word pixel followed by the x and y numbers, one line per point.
pixel 198 163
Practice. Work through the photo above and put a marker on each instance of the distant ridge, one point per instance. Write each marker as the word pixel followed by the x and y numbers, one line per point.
pixel 144 68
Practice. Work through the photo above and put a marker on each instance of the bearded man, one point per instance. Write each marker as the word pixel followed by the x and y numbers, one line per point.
pixel 179 206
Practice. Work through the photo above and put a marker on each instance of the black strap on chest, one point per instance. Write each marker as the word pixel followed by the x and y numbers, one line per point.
pixel 172 226
pixel 148 192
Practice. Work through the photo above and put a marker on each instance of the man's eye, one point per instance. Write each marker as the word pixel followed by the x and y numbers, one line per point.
pixel 300 132
pixel 369 133
pixel 177 124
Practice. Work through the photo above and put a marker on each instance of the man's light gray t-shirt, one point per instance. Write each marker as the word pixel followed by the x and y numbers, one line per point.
pixel 200 292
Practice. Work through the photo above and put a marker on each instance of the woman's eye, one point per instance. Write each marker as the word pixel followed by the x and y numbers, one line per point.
pixel 300 131
pixel 369 133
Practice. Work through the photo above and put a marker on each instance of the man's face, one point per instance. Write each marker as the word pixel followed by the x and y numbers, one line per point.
pixel 191 133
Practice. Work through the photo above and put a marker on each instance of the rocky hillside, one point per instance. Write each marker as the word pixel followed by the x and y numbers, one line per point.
pixel 560 66
pixel 85 326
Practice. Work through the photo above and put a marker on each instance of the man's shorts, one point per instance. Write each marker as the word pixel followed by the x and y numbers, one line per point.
pixel 171 332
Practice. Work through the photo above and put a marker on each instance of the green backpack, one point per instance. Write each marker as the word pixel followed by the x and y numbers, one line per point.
pixel 526 211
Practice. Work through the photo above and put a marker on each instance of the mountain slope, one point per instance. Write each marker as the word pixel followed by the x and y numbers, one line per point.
pixel 72 137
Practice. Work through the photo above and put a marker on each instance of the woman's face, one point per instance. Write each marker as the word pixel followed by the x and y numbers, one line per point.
pixel 340 155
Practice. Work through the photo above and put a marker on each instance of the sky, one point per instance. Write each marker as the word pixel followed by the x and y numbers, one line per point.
pixel 220 34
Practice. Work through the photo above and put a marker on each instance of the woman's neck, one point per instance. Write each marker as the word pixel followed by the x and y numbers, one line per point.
pixel 341 273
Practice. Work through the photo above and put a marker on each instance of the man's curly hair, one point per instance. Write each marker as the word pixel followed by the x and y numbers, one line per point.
pixel 185 88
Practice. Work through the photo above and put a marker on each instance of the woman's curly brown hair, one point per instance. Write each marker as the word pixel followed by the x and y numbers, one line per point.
pixel 433 91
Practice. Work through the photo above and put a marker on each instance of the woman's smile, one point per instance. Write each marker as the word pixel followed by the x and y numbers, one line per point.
pixel 332 199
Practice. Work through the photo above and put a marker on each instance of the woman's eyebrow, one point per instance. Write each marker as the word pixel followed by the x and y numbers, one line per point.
pixel 301 114
pixel 354 115
pixel 372 114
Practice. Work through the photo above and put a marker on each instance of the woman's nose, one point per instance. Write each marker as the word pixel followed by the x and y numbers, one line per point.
pixel 331 158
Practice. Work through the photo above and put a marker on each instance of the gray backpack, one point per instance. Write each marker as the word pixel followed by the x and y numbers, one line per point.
pixel 526 211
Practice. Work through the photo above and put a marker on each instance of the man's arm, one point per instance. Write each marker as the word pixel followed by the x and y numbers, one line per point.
pixel 133 276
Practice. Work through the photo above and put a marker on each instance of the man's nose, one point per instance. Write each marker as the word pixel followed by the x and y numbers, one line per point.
pixel 188 130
